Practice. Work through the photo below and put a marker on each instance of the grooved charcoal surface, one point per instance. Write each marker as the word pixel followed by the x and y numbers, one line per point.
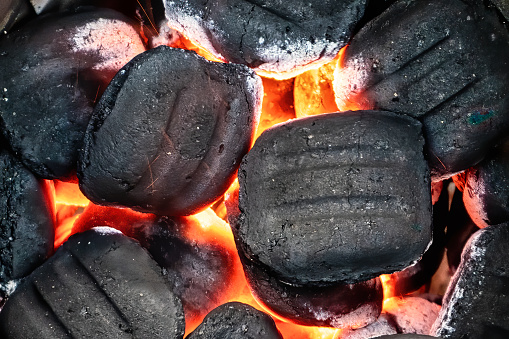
pixel 339 197
pixel 486 193
pixel 443 61
pixel 99 284
pixel 477 299
pixel 236 320
pixel 26 220
pixel 53 71
pixel 169 132
pixel 268 35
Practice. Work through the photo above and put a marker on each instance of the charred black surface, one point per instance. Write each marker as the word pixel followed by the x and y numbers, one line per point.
pixel 235 320
pixel 53 71
pixel 98 284
pixel 26 220
pixel 414 277
pixel 169 132
pixel 340 197
pixel 14 11
pixel 406 336
pixel 486 193
pixel 271 35
pixel 445 62
pixel 476 302
pixel 198 273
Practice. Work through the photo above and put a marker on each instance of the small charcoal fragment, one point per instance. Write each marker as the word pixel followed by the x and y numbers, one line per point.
pixel 477 299
pixel 332 305
pixel 26 220
pixel 339 197
pixel 236 320
pixel 384 325
pixel 99 284
pixel 486 193
pixel 268 35
pixel 169 133
pixel 412 314
pixel 445 62
pixel 54 69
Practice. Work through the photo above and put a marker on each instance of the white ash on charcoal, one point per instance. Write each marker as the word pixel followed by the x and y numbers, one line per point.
pixel 54 69
pixel 99 284
pixel 236 321
pixel 12 12
pixel 339 197
pixel 415 276
pixel 477 299
pixel 27 220
pixel 401 315
pixel 444 62
pixel 270 36
pixel 127 7
pixel 486 193
pixel 169 132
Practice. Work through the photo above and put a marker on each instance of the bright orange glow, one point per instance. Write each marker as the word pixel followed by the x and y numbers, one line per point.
pixel 389 286
pixel 67 193
pixel 185 43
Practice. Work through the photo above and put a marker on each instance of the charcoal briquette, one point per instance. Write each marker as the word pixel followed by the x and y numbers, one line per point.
pixel 99 284
pixel 270 35
pixel 339 197
pixel 486 193
pixel 445 62
pixel 27 220
pixel 236 320
pixel 169 133
pixel 476 302
pixel 54 69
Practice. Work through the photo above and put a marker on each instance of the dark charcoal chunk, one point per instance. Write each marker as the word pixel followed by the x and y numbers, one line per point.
pixel 53 70
pixel 99 284
pixel 269 35
pixel 236 321
pixel 333 305
pixel 442 61
pixel 169 132
pixel 339 197
pixel 26 220
pixel 13 11
pixel 486 194
pixel 476 302
pixel 200 272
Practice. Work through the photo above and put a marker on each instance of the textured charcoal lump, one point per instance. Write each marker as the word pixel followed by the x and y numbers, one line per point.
pixel 268 35
pixel 169 132
pixel 99 284
pixel 339 197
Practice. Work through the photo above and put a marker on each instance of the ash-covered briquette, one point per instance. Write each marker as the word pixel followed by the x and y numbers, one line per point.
pixel 477 299
pixel 54 69
pixel 236 320
pixel 169 132
pixel 26 220
pixel 486 193
pixel 99 284
pixel 332 305
pixel 339 197
pixel 444 62
pixel 268 35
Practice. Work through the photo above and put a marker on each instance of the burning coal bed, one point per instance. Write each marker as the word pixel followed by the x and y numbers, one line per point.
pixel 254 169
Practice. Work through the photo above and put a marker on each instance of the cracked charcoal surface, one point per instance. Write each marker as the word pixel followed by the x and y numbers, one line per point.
pixel 26 220
pixel 486 194
pixel 422 58
pixel 236 320
pixel 477 299
pixel 53 71
pixel 268 35
pixel 333 305
pixel 340 197
pixel 169 132
pixel 99 284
